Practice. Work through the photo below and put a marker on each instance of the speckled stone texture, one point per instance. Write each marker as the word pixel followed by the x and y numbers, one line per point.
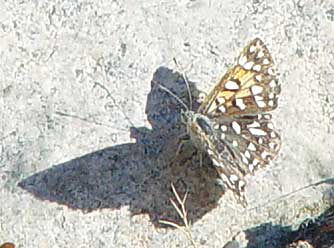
pixel 88 143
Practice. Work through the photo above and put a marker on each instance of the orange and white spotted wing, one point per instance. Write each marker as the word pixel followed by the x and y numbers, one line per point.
pixel 244 137
pixel 250 87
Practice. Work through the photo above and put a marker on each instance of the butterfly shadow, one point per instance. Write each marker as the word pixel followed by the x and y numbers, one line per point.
pixel 138 175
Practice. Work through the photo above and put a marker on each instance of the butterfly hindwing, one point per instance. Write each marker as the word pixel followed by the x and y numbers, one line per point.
pixel 252 140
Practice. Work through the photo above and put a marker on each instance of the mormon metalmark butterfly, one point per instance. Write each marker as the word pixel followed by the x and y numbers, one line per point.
pixel 232 125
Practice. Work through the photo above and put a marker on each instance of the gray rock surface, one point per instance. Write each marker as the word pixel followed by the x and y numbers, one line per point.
pixel 87 142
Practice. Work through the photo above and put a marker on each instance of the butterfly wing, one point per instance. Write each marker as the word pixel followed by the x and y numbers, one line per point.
pixel 250 87
pixel 252 140
pixel 245 138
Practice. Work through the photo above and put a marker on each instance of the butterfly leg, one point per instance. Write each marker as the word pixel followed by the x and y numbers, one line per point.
pixel 182 140
pixel 185 149
pixel 200 159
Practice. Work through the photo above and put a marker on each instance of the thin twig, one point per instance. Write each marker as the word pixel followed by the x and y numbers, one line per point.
pixel 327 180
pixel 182 212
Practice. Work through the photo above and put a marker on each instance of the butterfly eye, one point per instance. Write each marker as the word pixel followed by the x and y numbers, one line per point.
pixel 204 125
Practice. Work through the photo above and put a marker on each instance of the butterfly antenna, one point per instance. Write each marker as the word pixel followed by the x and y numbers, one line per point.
pixel 172 94
pixel 187 84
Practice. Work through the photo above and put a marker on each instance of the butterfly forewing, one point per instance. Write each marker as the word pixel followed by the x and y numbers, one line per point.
pixel 250 87
pixel 244 137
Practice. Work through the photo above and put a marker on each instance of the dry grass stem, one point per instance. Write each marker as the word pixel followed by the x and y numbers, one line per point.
pixel 182 212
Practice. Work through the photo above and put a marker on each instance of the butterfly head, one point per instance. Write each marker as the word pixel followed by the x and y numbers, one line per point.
pixel 187 116
pixel 197 122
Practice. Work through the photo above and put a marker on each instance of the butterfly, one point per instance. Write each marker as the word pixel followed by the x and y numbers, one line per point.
pixel 233 125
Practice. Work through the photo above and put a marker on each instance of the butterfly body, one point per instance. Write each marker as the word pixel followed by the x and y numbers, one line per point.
pixel 199 129
pixel 232 125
